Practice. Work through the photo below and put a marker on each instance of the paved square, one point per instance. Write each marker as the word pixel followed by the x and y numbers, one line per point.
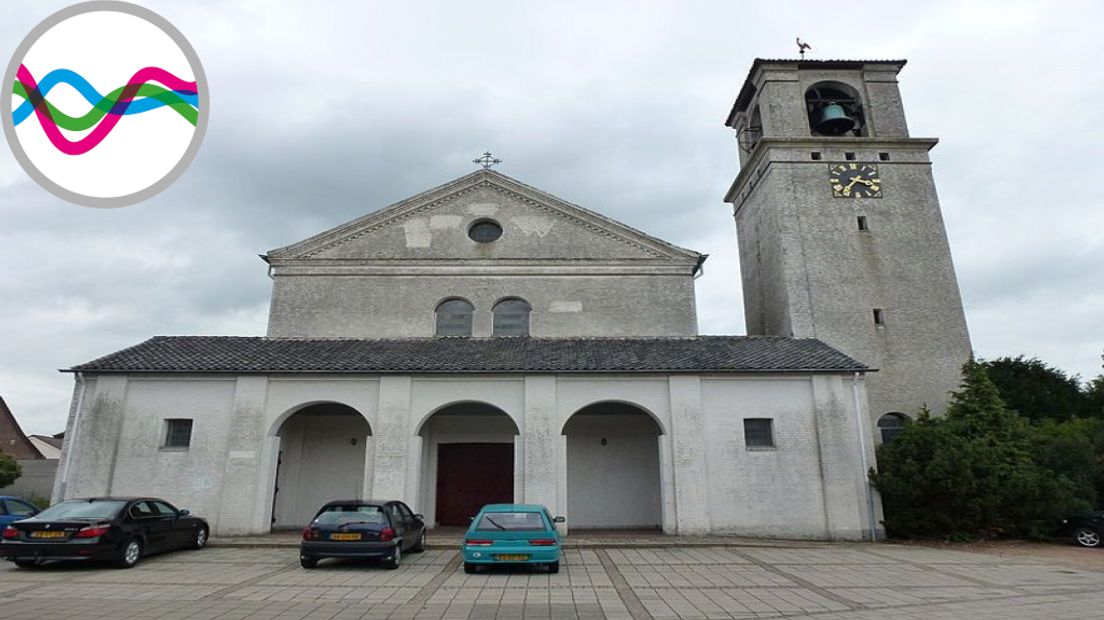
pixel 823 581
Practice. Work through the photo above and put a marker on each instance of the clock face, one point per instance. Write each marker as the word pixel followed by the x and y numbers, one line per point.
pixel 854 180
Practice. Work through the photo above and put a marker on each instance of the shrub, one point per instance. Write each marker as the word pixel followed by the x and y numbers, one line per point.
pixel 974 473
pixel 10 470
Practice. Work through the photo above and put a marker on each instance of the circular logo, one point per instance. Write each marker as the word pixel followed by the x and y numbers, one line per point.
pixel 108 104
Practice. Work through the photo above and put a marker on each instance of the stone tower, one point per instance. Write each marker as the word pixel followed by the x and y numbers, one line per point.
pixel 840 233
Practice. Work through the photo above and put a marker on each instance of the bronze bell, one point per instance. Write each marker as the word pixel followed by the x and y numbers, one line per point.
pixel 834 121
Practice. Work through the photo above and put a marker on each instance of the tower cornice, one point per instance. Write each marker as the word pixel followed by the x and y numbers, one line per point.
pixel 764 145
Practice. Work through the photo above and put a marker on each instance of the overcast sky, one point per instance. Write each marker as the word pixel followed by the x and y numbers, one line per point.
pixel 324 111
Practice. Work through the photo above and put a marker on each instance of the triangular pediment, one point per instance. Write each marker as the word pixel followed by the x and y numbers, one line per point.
pixel 434 225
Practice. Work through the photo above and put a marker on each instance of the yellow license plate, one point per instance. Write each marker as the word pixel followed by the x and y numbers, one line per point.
pixel 512 557
pixel 44 534
pixel 344 536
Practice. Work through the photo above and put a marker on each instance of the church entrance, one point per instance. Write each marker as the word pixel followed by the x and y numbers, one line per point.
pixel 470 475
pixel 322 458
pixel 468 460
pixel 613 468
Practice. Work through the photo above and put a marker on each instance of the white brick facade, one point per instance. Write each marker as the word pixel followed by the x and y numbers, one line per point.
pixel 811 485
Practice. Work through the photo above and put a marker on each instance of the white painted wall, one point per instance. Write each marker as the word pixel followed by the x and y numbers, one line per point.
pixel 322 460
pixel 615 485
pixel 811 485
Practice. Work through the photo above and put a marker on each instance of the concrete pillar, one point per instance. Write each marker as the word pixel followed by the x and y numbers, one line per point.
pixel 241 468
pixel 688 455
pixel 846 503
pixel 392 437
pixel 666 484
pixel 561 507
pixel 369 467
pixel 413 495
pixel 539 433
pixel 266 487
pixel 94 453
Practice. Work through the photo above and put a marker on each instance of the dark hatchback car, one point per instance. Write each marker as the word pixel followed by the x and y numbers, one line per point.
pixel 120 530
pixel 1086 530
pixel 368 529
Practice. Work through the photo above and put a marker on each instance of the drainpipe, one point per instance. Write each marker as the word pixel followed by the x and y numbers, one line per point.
pixel 71 437
pixel 865 462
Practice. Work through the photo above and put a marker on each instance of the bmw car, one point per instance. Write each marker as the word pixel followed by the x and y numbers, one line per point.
pixel 512 534
pixel 1086 530
pixel 116 529
pixel 366 529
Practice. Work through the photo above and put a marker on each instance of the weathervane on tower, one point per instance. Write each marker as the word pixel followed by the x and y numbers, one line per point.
pixel 801 47
pixel 487 160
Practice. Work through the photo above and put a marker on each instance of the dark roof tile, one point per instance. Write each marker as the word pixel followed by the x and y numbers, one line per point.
pixel 245 355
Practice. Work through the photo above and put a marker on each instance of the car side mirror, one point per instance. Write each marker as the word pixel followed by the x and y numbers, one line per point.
pixel 419 517
pixel 185 512
pixel 558 519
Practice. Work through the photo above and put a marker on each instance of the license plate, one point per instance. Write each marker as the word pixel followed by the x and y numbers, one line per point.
pixel 345 536
pixel 45 534
pixel 512 557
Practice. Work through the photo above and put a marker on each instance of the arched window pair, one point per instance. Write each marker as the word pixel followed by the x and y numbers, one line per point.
pixel 511 317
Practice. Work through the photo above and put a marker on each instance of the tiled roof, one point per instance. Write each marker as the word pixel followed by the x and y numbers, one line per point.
pixel 244 355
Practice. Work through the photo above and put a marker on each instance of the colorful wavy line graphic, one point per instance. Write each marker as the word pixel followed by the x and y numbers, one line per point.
pixel 155 97
pixel 181 96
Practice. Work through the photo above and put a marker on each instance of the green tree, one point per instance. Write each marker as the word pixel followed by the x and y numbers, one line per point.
pixel 971 473
pixel 9 469
pixel 1037 391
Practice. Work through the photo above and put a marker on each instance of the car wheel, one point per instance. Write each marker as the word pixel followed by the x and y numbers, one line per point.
pixel 1087 537
pixel 26 563
pixel 396 558
pixel 129 555
pixel 199 541
pixel 306 562
pixel 420 547
pixel 470 568
pixel 553 567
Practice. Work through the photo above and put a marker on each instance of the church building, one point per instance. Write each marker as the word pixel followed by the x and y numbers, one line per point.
pixel 485 341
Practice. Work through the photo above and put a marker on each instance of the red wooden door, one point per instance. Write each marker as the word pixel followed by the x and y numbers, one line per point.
pixel 470 475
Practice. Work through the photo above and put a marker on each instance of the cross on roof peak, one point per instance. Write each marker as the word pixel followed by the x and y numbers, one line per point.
pixel 487 160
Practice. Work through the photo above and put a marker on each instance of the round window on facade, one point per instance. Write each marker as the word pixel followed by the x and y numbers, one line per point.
pixel 485 231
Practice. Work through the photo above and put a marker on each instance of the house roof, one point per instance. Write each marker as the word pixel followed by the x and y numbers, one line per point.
pixel 12 439
pixel 262 355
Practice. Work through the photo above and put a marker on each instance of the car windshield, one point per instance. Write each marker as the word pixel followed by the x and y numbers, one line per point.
pixel 106 509
pixel 511 521
pixel 340 515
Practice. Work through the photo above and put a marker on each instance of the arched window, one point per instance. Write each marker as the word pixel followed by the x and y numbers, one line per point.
pixel 454 318
pixel 511 317
pixel 891 425
pixel 835 109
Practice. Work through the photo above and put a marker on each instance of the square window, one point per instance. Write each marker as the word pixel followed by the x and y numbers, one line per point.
pixel 178 433
pixel 758 432
pixel 815 155
pixel 879 316
pixel 863 225
pixel 849 156
pixel 883 156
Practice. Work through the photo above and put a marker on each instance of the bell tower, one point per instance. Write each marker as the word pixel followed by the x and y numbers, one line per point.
pixel 840 232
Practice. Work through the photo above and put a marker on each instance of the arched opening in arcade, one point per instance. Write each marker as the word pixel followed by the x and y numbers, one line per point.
pixel 468 460
pixel 323 451
pixel 613 479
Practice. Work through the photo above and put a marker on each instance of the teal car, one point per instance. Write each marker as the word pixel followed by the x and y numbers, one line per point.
pixel 512 534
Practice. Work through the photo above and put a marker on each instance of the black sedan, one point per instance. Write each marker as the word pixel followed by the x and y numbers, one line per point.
pixel 378 530
pixel 120 530
pixel 1086 530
